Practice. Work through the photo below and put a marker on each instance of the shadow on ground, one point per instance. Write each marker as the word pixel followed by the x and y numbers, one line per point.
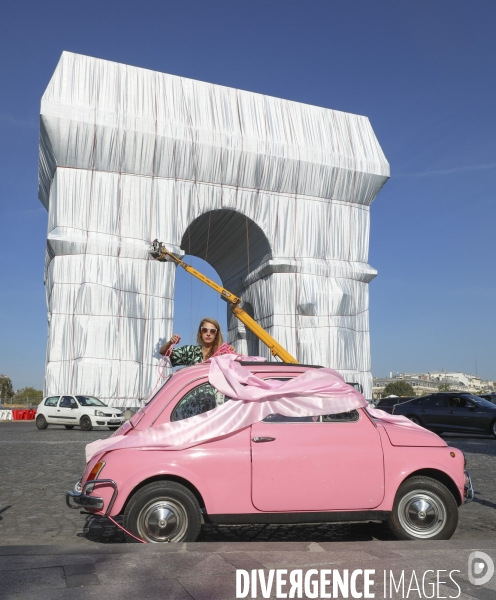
pixel 102 531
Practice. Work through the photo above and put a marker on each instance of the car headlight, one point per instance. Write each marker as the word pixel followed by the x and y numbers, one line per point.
pixel 99 413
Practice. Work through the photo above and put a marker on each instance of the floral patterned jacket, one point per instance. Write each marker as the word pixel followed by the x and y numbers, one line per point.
pixel 186 355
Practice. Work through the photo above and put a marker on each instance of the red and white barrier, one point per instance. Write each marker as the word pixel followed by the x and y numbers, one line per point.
pixel 23 414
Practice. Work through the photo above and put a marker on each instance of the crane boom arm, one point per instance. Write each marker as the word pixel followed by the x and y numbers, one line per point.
pixel 160 252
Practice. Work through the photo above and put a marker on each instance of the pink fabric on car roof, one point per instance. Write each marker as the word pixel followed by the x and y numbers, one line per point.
pixel 314 392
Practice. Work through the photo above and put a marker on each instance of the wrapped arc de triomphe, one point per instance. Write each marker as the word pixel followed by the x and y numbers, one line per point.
pixel 274 194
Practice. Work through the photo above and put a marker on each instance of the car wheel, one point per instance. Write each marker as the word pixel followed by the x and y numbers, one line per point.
pixel 114 428
pixel 424 509
pixel 163 511
pixel 85 423
pixel 69 426
pixel 415 420
pixel 41 422
pixel 493 428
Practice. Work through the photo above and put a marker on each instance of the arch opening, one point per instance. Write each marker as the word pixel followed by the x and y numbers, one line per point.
pixel 231 242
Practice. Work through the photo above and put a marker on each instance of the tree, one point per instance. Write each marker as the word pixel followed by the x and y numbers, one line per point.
pixel 398 388
pixel 28 395
pixel 444 387
pixel 6 389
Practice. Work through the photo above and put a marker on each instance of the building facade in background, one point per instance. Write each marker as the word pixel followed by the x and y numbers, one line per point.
pixel 427 383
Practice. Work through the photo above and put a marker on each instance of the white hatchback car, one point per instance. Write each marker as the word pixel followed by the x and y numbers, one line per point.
pixel 85 411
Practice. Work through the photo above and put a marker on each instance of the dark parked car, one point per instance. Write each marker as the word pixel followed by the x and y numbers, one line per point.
pixel 386 404
pixel 451 411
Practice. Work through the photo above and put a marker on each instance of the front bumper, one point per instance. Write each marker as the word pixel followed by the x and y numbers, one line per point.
pixel 79 499
pixel 468 492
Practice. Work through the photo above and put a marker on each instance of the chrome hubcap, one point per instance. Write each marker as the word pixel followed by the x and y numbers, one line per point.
pixel 163 520
pixel 422 514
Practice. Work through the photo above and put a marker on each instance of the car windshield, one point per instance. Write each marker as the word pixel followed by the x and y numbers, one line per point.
pixel 480 401
pixel 89 401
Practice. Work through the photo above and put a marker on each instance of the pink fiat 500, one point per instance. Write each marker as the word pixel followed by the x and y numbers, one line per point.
pixel 342 467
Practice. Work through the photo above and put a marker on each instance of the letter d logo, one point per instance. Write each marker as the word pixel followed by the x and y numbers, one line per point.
pixel 478 562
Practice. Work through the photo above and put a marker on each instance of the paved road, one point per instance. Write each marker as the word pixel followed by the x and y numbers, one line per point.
pixel 37 467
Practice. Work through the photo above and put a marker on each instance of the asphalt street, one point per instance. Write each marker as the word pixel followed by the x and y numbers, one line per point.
pixel 37 467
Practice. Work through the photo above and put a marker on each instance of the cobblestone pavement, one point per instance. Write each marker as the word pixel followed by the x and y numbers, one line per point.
pixel 37 467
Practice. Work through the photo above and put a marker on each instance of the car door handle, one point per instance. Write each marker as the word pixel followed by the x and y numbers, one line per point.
pixel 260 440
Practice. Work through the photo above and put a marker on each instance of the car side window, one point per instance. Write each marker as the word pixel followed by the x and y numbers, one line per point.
pixel 346 417
pixel 460 402
pixel 277 418
pixel 67 402
pixel 435 402
pixel 52 401
pixel 199 400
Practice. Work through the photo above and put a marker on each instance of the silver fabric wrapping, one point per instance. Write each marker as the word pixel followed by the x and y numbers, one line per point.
pixel 274 194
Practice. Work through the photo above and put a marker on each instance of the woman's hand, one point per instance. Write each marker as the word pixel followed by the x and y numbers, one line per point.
pixel 231 348
pixel 174 340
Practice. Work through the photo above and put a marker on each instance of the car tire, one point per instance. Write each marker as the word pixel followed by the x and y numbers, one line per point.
pixel 424 509
pixel 114 428
pixel 493 428
pixel 415 419
pixel 69 426
pixel 41 422
pixel 85 423
pixel 163 511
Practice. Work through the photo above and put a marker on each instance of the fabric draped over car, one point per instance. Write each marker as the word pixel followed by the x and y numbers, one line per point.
pixel 315 392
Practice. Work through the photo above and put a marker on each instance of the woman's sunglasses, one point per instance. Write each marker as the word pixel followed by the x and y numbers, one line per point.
pixel 206 330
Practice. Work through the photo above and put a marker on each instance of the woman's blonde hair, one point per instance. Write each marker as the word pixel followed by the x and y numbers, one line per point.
pixel 218 341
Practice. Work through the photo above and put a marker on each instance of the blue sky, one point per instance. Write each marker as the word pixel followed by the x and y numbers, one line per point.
pixel 422 71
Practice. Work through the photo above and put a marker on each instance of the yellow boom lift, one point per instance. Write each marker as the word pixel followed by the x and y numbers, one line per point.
pixel 160 252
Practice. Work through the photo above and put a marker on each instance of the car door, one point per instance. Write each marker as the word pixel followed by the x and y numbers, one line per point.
pixel 433 412
pixel 465 415
pixel 50 409
pixel 334 462
pixel 67 411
